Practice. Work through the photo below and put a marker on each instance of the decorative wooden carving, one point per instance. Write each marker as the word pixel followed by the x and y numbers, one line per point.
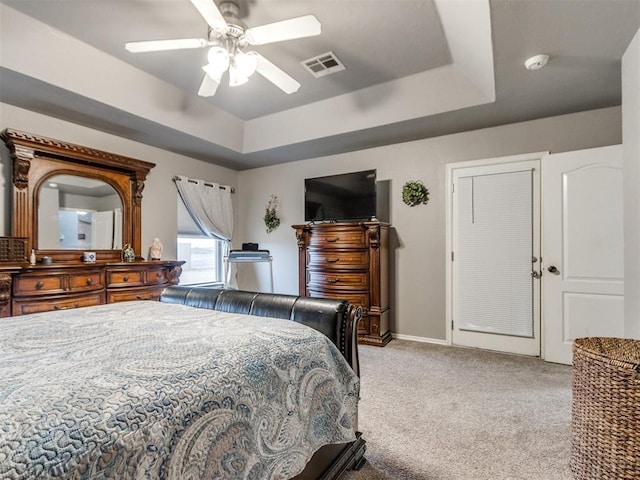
pixel 5 289
pixel 21 164
pixel 174 275
pixel 138 187
pixel 37 158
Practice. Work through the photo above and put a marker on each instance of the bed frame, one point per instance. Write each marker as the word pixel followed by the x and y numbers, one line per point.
pixel 337 319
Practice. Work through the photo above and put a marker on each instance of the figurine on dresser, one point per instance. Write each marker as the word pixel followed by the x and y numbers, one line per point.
pixel 128 255
pixel 155 250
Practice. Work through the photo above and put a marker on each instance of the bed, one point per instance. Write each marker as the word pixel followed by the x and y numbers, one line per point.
pixel 205 384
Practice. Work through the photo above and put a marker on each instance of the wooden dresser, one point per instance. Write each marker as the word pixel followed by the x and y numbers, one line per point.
pixel 349 261
pixel 42 288
pixel 106 184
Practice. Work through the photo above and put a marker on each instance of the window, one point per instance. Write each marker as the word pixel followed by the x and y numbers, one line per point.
pixel 204 259
pixel 203 255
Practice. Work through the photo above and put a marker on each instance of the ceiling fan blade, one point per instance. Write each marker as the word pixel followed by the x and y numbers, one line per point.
pixel 275 75
pixel 299 27
pixel 208 87
pixel 209 11
pixel 161 45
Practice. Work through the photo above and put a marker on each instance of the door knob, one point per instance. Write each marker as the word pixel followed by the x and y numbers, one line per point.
pixel 553 269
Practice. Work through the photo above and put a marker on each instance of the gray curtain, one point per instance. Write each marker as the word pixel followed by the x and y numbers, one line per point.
pixel 209 204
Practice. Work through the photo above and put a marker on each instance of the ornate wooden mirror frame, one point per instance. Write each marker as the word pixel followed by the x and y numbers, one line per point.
pixel 37 158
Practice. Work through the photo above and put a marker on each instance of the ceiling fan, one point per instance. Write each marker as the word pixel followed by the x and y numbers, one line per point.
pixel 228 36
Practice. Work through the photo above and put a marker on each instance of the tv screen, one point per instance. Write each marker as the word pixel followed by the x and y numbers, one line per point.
pixel 348 196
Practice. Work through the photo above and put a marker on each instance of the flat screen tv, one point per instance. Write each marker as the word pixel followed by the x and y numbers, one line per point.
pixel 343 197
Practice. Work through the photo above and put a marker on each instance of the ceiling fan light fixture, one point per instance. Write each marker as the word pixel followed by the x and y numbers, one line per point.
pixel 227 35
pixel 218 58
pixel 213 72
pixel 245 63
pixel 236 78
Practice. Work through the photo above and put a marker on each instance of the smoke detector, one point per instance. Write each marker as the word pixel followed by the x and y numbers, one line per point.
pixel 536 62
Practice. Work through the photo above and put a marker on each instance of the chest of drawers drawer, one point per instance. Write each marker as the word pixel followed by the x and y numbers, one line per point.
pixel 338 238
pixel 338 280
pixel 354 298
pixel 337 259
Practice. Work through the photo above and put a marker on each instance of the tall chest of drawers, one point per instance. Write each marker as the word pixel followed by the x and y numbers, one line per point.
pixel 349 261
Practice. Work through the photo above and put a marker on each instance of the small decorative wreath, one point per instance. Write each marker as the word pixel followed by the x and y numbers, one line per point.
pixel 414 193
pixel 271 220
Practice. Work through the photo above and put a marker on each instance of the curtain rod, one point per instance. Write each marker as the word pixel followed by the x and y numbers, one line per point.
pixel 222 187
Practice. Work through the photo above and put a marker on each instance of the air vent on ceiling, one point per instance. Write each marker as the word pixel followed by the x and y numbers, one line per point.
pixel 323 65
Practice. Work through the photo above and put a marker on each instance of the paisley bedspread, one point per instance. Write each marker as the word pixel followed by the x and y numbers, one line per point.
pixel 148 390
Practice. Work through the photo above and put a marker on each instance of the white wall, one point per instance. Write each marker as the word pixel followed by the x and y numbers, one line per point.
pixel 631 142
pixel 418 259
pixel 159 201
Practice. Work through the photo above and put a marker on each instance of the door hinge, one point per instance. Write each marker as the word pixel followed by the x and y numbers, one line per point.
pixel 451 324
pixel 452 256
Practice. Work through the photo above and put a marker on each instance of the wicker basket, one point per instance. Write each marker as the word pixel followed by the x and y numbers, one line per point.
pixel 605 442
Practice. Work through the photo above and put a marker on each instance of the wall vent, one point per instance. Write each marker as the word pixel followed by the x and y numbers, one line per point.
pixel 323 65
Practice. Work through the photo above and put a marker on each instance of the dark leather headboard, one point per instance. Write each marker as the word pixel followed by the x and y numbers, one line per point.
pixel 337 319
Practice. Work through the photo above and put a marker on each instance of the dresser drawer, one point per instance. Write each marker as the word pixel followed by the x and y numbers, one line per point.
pixel 339 238
pixel 337 280
pixel 124 278
pixel 334 259
pixel 24 306
pixel 25 285
pixel 129 295
pixel 158 277
pixel 86 281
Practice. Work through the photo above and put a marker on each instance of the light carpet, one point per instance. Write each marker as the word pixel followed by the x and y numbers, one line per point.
pixel 447 413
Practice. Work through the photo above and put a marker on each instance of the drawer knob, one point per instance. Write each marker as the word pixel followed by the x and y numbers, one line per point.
pixel 89 281
pixel 39 285
pixel 332 280
pixel 332 260
pixel 333 240
pixel 125 278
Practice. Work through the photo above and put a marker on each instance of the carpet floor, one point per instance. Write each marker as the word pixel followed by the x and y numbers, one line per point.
pixel 433 412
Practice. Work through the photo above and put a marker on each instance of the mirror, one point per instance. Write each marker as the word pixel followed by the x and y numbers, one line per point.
pixel 78 213
pixel 80 172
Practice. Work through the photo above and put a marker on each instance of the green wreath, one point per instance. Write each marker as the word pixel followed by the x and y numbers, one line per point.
pixel 414 193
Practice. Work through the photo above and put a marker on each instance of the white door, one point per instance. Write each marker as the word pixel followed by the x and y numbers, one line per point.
pixel 495 250
pixel 102 230
pixel 583 265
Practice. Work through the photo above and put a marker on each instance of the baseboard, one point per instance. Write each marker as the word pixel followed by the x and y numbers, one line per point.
pixel 437 341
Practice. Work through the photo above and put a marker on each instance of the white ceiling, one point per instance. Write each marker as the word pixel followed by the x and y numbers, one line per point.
pixel 414 69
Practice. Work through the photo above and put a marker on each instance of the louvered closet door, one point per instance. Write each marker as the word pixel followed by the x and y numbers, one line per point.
pixel 495 257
